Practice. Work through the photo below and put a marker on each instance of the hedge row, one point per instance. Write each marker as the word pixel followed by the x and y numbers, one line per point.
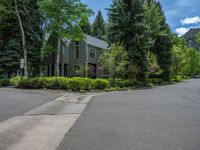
pixel 70 84
pixel 123 83
pixel 75 84
pixel 4 82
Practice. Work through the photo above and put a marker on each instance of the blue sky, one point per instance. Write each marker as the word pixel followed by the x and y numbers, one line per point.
pixel 181 14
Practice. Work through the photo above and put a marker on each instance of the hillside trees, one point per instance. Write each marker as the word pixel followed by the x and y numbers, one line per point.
pixel 185 61
pixel 198 37
pixel 194 61
pixel 179 60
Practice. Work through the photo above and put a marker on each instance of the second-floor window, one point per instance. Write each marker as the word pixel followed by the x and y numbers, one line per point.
pixel 92 53
pixel 77 50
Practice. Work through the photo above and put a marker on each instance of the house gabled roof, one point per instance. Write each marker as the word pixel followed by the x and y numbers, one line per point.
pixel 90 40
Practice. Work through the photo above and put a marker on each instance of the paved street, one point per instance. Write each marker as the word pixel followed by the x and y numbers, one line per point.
pixel 38 119
pixel 162 118
pixel 16 102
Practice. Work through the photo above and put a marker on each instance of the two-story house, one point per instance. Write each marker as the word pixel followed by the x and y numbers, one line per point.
pixel 76 56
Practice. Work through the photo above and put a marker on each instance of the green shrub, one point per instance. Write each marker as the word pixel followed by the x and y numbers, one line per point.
pixel 122 82
pixel 15 81
pixel 4 82
pixel 179 78
pixel 101 84
pixel 70 84
pixel 154 81
pixel 77 84
pixel 89 84
pixel 25 83
pixel 55 83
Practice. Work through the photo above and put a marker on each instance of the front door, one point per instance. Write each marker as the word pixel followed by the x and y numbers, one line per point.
pixel 92 70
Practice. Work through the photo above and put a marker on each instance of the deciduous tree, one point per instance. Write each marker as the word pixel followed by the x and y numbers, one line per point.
pixel 63 18
pixel 115 60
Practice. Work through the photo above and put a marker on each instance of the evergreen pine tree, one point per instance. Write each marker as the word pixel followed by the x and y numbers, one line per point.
pixel 153 21
pixel 9 38
pixel 127 25
pixel 98 27
pixel 163 46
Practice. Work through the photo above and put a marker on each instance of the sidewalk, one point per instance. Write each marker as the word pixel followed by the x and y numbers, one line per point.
pixel 44 127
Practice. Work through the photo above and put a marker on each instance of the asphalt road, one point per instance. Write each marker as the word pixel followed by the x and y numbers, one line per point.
pixel 162 118
pixel 15 102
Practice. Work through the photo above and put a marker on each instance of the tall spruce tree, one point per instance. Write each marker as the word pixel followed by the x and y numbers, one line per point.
pixel 153 21
pixel 9 38
pixel 127 25
pixel 163 45
pixel 98 27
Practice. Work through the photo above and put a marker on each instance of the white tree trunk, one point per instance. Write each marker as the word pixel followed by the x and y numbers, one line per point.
pixel 86 63
pixel 57 68
pixel 23 41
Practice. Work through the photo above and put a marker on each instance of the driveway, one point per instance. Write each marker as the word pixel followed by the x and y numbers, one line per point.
pixel 15 102
pixel 162 118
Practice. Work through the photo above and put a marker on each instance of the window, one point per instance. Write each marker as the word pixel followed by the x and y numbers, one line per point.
pixel 92 53
pixel 77 49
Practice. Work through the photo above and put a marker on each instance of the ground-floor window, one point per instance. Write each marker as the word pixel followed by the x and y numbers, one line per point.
pixel 92 70
pixel 63 70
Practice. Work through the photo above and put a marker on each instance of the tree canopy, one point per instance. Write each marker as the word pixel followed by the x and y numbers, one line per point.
pixel 115 60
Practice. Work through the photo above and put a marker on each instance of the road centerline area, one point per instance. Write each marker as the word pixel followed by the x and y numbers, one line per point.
pixel 150 119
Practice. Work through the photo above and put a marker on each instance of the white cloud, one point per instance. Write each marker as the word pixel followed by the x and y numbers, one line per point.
pixel 181 31
pixel 192 20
